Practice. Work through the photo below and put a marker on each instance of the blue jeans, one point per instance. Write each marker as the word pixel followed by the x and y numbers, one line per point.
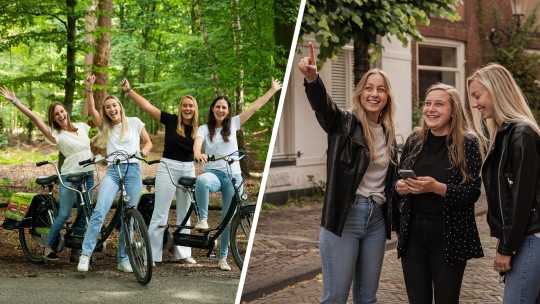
pixel 425 271
pixel 356 257
pixel 108 190
pixel 65 208
pixel 523 280
pixel 214 181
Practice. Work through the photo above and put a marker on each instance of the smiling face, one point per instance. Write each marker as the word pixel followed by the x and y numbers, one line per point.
pixel 221 111
pixel 481 100
pixel 61 117
pixel 187 110
pixel 113 110
pixel 438 112
pixel 374 97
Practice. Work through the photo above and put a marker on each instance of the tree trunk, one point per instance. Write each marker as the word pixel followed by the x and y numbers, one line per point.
pixel 71 77
pixel 89 40
pixel 211 60
pixel 103 50
pixel 361 58
pixel 283 34
pixel 239 91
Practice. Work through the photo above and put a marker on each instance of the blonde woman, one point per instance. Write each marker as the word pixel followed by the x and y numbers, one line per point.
pixel 437 230
pixel 180 131
pixel 361 162
pixel 117 132
pixel 511 178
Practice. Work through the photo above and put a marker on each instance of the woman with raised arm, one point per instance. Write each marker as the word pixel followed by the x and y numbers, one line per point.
pixel 116 132
pixel 72 141
pixel 219 137
pixel 511 175
pixel 180 130
pixel 361 161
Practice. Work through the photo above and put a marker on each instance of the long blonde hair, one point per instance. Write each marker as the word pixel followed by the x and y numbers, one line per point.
pixel 455 140
pixel 386 116
pixel 509 102
pixel 107 126
pixel 180 129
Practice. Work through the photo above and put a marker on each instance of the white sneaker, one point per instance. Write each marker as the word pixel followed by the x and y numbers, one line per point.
pixel 202 224
pixel 125 267
pixel 188 260
pixel 84 263
pixel 223 265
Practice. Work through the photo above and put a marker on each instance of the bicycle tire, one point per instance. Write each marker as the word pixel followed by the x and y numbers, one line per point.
pixel 239 233
pixel 137 243
pixel 31 238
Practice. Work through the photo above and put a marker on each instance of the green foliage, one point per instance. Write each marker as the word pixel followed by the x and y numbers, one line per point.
pixel 156 44
pixel 319 187
pixel 512 53
pixel 268 206
pixel 4 188
pixel 18 157
pixel 416 116
pixel 337 22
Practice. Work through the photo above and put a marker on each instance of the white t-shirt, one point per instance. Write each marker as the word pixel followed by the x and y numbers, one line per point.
pixel 218 146
pixel 131 140
pixel 74 147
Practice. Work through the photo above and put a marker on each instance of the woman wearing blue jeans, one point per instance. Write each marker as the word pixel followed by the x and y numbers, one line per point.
pixel 511 175
pixel 117 132
pixel 72 141
pixel 361 160
pixel 219 137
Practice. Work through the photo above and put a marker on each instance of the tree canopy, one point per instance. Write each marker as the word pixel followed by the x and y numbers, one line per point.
pixel 156 44
pixel 336 23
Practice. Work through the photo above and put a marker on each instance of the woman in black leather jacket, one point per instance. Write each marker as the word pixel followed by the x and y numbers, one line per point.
pixel 437 232
pixel 360 165
pixel 511 178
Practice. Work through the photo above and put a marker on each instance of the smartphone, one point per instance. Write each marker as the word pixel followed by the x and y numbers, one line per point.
pixel 407 174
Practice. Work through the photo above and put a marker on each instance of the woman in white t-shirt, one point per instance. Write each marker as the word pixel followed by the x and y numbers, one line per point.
pixel 219 137
pixel 117 132
pixel 72 141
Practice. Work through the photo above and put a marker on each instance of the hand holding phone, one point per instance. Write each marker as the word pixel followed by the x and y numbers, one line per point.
pixel 407 174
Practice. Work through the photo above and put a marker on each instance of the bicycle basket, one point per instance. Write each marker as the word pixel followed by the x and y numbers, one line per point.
pixel 18 208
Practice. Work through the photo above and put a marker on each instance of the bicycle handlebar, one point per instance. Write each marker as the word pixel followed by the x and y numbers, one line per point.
pixel 41 163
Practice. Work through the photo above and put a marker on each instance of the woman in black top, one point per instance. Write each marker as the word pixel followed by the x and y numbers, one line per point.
pixel 437 230
pixel 180 131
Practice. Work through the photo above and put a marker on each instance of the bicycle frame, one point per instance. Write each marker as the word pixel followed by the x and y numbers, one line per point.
pixel 208 240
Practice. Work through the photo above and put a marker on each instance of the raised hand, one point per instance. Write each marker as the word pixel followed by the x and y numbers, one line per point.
pixel 89 81
pixel 308 65
pixel 276 85
pixel 125 84
pixel 7 94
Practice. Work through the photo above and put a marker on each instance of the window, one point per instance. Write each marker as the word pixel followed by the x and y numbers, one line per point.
pixel 440 61
pixel 343 79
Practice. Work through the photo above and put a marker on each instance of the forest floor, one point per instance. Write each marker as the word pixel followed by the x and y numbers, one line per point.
pixel 14 264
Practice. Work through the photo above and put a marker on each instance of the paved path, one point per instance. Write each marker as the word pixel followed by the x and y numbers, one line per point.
pixel 285 263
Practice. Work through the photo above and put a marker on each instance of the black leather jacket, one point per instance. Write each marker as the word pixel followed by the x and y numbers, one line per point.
pixel 512 182
pixel 347 159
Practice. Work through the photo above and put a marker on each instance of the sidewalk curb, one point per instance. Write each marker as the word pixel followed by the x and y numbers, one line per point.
pixel 280 281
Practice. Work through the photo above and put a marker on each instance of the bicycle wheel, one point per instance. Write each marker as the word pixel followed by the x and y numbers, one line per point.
pixel 34 238
pixel 239 233
pixel 137 244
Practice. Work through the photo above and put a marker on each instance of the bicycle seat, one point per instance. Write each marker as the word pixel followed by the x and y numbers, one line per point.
pixel 187 181
pixel 47 180
pixel 77 178
pixel 149 181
